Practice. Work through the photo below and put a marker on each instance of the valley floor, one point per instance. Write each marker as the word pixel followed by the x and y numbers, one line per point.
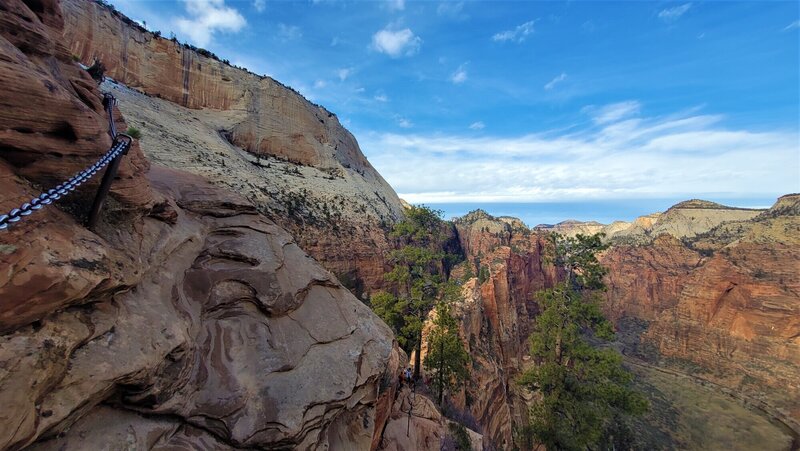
pixel 685 414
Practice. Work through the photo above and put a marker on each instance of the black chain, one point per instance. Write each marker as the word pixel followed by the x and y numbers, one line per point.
pixel 120 146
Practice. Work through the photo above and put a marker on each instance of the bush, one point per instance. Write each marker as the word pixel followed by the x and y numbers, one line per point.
pixel 133 132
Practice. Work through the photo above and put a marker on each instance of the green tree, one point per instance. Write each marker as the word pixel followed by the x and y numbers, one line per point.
pixel 418 273
pixel 447 359
pixel 582 387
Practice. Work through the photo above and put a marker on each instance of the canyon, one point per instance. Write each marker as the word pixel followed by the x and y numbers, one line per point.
pixel 220 301
pixel 701 289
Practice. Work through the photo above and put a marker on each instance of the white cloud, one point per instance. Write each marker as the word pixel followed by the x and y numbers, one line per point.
pixel 206 18
pixel 260 5
pixel 792 26
pixel 673 156
pixel 450 9
pixel 460 75
pixel 552 83
pixel 344 73
pixel 477 125
pixel 319 84
pixel 381 98
pixel 517 34
pixel 673 14
pixel 396 43
pixel 289 32
pixel 396 5
pixel 612 112
pixel 404 123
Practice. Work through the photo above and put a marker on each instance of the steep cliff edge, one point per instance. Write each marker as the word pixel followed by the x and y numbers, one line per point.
pixel 505 261
pixel 726 300
pixel 187 319
pixel 702 289
pixel 291 158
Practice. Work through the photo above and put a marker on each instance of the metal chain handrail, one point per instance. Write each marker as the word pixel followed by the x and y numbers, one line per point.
pixel 120 146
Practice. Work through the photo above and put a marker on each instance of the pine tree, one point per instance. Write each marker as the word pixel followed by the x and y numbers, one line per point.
pixel 447 359
pixel 417 273
pixel 583 388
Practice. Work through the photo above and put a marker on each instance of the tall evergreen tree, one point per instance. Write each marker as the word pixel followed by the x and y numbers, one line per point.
pixel 417 273
pixel 582 387
pixel 447 359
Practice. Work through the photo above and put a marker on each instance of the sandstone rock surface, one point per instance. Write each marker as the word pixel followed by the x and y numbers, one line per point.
pixel 187 319
pixel 714 289
pixel 291 158
pixel 416 424
pixel 496 315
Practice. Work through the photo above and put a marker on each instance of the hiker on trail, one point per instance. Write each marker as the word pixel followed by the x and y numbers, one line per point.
pixel 407 373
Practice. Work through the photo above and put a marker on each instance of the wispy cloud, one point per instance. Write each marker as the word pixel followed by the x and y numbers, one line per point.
pixel 404 123
pixel 674 13
pixel 381 98
pixel 344 73
pixel 477 125
pixel 460 75
pixel 673 156
pixel 206 18
pixel 451 9
pixel 319 84
pixel 552 83
pixel 396 5
pixel 396 43
pixel 612 112
pixel 260 5
pixel 517 34
pixel 289 32
pixel 792 26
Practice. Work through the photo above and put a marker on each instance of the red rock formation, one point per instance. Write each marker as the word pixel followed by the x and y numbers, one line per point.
pixel 186 320
pixel 734 313
pixel 725 300
pixel 496 316
pixel 271 120
pixel 643 281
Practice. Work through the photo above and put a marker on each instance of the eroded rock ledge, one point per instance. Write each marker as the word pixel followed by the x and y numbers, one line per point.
pixel 186 320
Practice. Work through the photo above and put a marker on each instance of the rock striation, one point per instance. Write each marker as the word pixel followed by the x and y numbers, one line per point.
pixel 496 314
pixel 725 300
pixel 187 319
pixel 249 133
pixel 702 288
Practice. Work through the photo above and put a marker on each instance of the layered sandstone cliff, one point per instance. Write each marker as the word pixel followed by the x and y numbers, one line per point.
pixel 187 319
pixel 495 314
pixel 726 300
pixel 291 158
pixel 702 288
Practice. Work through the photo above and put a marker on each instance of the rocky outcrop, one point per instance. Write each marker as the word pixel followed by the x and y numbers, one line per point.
pixel 496 314
pixel 572 227
pixel 724 300
pixel 416 424
pixel 231 334
pixel 249 133
pixel 187 319
pixel 702 288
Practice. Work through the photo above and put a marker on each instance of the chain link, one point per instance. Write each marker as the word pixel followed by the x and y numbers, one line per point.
pixel 120 146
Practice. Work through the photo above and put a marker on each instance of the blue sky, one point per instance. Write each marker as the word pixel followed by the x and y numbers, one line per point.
pixel 533 101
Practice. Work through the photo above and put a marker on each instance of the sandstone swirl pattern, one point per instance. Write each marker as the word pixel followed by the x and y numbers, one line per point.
pixel 187 320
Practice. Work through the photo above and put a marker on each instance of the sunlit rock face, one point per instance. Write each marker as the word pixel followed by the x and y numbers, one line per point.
pixel 709 288
pixel 725 298
pixel 187 319
pixel 291 158
pixel 496 316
